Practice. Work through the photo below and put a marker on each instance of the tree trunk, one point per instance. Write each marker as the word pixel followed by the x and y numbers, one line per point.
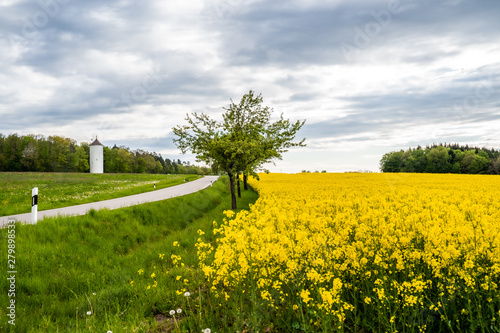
pixel 239 189
pixel 233 191
pixel 245 181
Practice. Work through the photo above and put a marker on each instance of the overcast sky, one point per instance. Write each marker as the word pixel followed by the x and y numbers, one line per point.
pixel 368 76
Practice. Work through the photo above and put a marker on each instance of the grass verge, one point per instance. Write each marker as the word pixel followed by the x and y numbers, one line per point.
pixel 121 271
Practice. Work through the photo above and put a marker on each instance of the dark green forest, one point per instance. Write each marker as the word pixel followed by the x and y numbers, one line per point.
pixel 443 158
pixel 59 154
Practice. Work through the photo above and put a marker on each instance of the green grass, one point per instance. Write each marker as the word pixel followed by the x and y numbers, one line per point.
pixel 58 190
pixel 68 266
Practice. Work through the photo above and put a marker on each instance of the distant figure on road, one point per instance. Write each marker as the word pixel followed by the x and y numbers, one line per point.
pixel 154 184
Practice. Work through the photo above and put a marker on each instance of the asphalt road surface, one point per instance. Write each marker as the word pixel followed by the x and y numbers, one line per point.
pixel 137 199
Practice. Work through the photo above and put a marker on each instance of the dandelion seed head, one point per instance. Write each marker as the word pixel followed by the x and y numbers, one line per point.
pixel 172 312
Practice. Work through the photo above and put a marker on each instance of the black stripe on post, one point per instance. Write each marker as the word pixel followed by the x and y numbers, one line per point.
pixel 34 201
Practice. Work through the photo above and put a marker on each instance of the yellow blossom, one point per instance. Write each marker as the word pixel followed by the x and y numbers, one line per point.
pixel 305 296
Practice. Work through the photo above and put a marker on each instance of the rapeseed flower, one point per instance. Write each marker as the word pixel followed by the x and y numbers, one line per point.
pixel 397 244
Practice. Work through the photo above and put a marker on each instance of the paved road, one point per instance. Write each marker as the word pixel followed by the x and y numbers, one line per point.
pixel 163 194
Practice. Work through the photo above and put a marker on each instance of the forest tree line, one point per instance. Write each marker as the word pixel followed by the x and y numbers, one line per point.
pixel 59 154
pixel 443 158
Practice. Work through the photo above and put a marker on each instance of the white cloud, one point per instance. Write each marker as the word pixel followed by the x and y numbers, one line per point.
pixel 130 71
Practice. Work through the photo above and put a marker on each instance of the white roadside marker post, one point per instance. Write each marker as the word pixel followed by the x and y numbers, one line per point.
pixel 34 205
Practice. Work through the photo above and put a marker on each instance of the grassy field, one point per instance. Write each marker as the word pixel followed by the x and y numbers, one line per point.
pixel 58 190
pixel 120 271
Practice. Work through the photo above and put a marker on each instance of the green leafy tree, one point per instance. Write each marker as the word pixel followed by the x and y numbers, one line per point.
pixel 242 142
pixel 479 165
pixel 447 158
pixel 392 162
pixel 13 151
pixel 249 122
pixel 438 160
pixel 83 158
pixel 496 166
pixel 466 162
pixel 416 161
pixel 59 153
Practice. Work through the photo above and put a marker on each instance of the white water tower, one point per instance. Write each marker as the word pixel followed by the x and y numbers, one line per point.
pixel 96 157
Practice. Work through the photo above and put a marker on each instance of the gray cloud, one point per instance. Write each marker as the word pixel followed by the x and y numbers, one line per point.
pixel 282 35
pixel 127 59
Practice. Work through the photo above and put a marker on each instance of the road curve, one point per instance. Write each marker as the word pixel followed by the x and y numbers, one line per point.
pixel 137 199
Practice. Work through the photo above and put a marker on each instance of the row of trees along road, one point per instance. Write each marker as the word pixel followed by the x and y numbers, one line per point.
pixel 38 153
pixel 447 158
pixel 242 142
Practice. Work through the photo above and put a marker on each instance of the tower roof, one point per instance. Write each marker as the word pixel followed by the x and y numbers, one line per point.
pixel 96 143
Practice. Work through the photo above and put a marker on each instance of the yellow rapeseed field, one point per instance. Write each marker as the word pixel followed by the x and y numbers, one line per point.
pixel 364 252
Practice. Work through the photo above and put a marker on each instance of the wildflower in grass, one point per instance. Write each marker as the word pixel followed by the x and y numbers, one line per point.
pixel 140 271
pixel 161 255
pixel 155 284
pixel 368 300
pixel 304 294
pixel 179 311
pixel 148 287
pixel 200 232
pixel 153 275
pixel 178 277
pixel 206 330
pixel 176 243
pixel 187 294
pixel 89 313
pixel 175 259
pixel 132 283
pixel 172 312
